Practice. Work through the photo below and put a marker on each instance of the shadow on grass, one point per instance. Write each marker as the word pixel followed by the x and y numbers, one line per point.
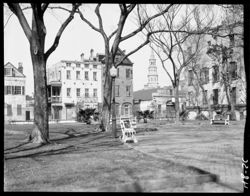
pixel 71 133
pixel 7 149
pixel 67 145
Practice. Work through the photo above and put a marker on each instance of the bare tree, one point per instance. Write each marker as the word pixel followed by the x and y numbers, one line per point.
pixel 36 34
pixel 169 38
pixel 112 48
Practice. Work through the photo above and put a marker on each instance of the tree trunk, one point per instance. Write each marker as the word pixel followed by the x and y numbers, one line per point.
pixel 40 133
pixel 232 105
pixel 107 90
pixel 177 108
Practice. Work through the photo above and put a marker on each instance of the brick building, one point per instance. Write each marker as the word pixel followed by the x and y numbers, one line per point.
pixel 123 85
pixel 210 74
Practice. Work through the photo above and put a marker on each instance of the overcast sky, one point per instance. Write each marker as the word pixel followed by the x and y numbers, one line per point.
pixel 78 37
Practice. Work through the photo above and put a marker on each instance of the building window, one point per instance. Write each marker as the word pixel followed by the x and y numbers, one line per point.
pixel 234 95
pixel 118 72
pixel 171 91
pixel 18 90
pixel 8 90
pixel 68 64
pixel 19 109
pixel 78 65
pixel 68 74
pixel 190 97
pixel 78 92
pixel 190 77
pixel 215 96
pixel 231 37
pixel 23 90
pixel 59 75
pixel 9 110
pixel 205 75
pixel 128 73
pixel 86 74
pixel 233 70
pixel 216 75
pixel 7 71
pixel 68 92
pixel 205 97
pixel 86 65
pixel 94 66
pixel 78 75
pixel 117 90
pixel 86 92
pixel 95 76
pixel 128 93
pixel 95 92
pixel 126 109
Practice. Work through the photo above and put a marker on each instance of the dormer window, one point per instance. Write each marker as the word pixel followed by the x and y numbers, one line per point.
pixel 68 64
pixel 7 71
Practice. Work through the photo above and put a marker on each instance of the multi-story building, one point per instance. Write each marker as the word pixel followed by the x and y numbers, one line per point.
pixel 14 93
pixel 73 85
pixel 210 75
pixel 123 85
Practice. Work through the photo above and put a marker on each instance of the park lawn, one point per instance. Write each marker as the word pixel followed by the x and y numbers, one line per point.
pixel 80 159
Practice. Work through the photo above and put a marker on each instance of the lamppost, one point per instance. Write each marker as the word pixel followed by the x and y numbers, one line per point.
pixel 113 74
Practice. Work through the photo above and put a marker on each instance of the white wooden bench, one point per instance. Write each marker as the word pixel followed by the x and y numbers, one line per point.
pixel 219 119
pixel 128 131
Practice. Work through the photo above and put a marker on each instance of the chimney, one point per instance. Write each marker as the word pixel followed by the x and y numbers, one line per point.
pixel 20 67
pixel 91 54
pixel 82 57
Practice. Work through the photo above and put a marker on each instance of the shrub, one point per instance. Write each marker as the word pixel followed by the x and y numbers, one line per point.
pixel 87 114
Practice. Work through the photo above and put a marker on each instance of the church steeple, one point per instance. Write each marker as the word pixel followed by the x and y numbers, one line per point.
pixel 152 72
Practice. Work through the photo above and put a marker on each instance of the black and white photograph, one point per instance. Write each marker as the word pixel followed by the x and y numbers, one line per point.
pixel 120 97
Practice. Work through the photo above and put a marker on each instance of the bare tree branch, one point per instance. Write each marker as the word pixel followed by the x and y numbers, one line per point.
pixel 88 22
pixel 145 23
pixel 112 34
pixel 44 7
pixel 16 9
pixel 60 31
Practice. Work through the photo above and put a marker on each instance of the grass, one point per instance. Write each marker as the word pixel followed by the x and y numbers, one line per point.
pixel 79 160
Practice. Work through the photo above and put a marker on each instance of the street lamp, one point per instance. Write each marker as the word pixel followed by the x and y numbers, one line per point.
pixel 113 74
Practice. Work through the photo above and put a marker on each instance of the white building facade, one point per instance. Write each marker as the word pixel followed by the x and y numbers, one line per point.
pixel 14 93
pixel 74 85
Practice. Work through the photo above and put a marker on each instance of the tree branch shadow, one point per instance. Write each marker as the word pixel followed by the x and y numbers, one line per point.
pixel 63 148
pixel 71 133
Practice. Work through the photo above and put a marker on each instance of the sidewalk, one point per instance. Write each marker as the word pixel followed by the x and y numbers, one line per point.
pixel 217 149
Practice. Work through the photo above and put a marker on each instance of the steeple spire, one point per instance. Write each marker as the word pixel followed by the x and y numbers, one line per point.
pixel 152 56
pixel 152 72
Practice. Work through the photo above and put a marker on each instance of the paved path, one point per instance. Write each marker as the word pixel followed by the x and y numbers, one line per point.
pixel 217 149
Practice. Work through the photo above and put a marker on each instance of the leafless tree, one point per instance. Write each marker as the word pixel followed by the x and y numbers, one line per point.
pixel 169 38
pixel 36 34
pixel 111 48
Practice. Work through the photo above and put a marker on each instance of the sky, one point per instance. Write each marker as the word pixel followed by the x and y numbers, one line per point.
pixel 77 38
